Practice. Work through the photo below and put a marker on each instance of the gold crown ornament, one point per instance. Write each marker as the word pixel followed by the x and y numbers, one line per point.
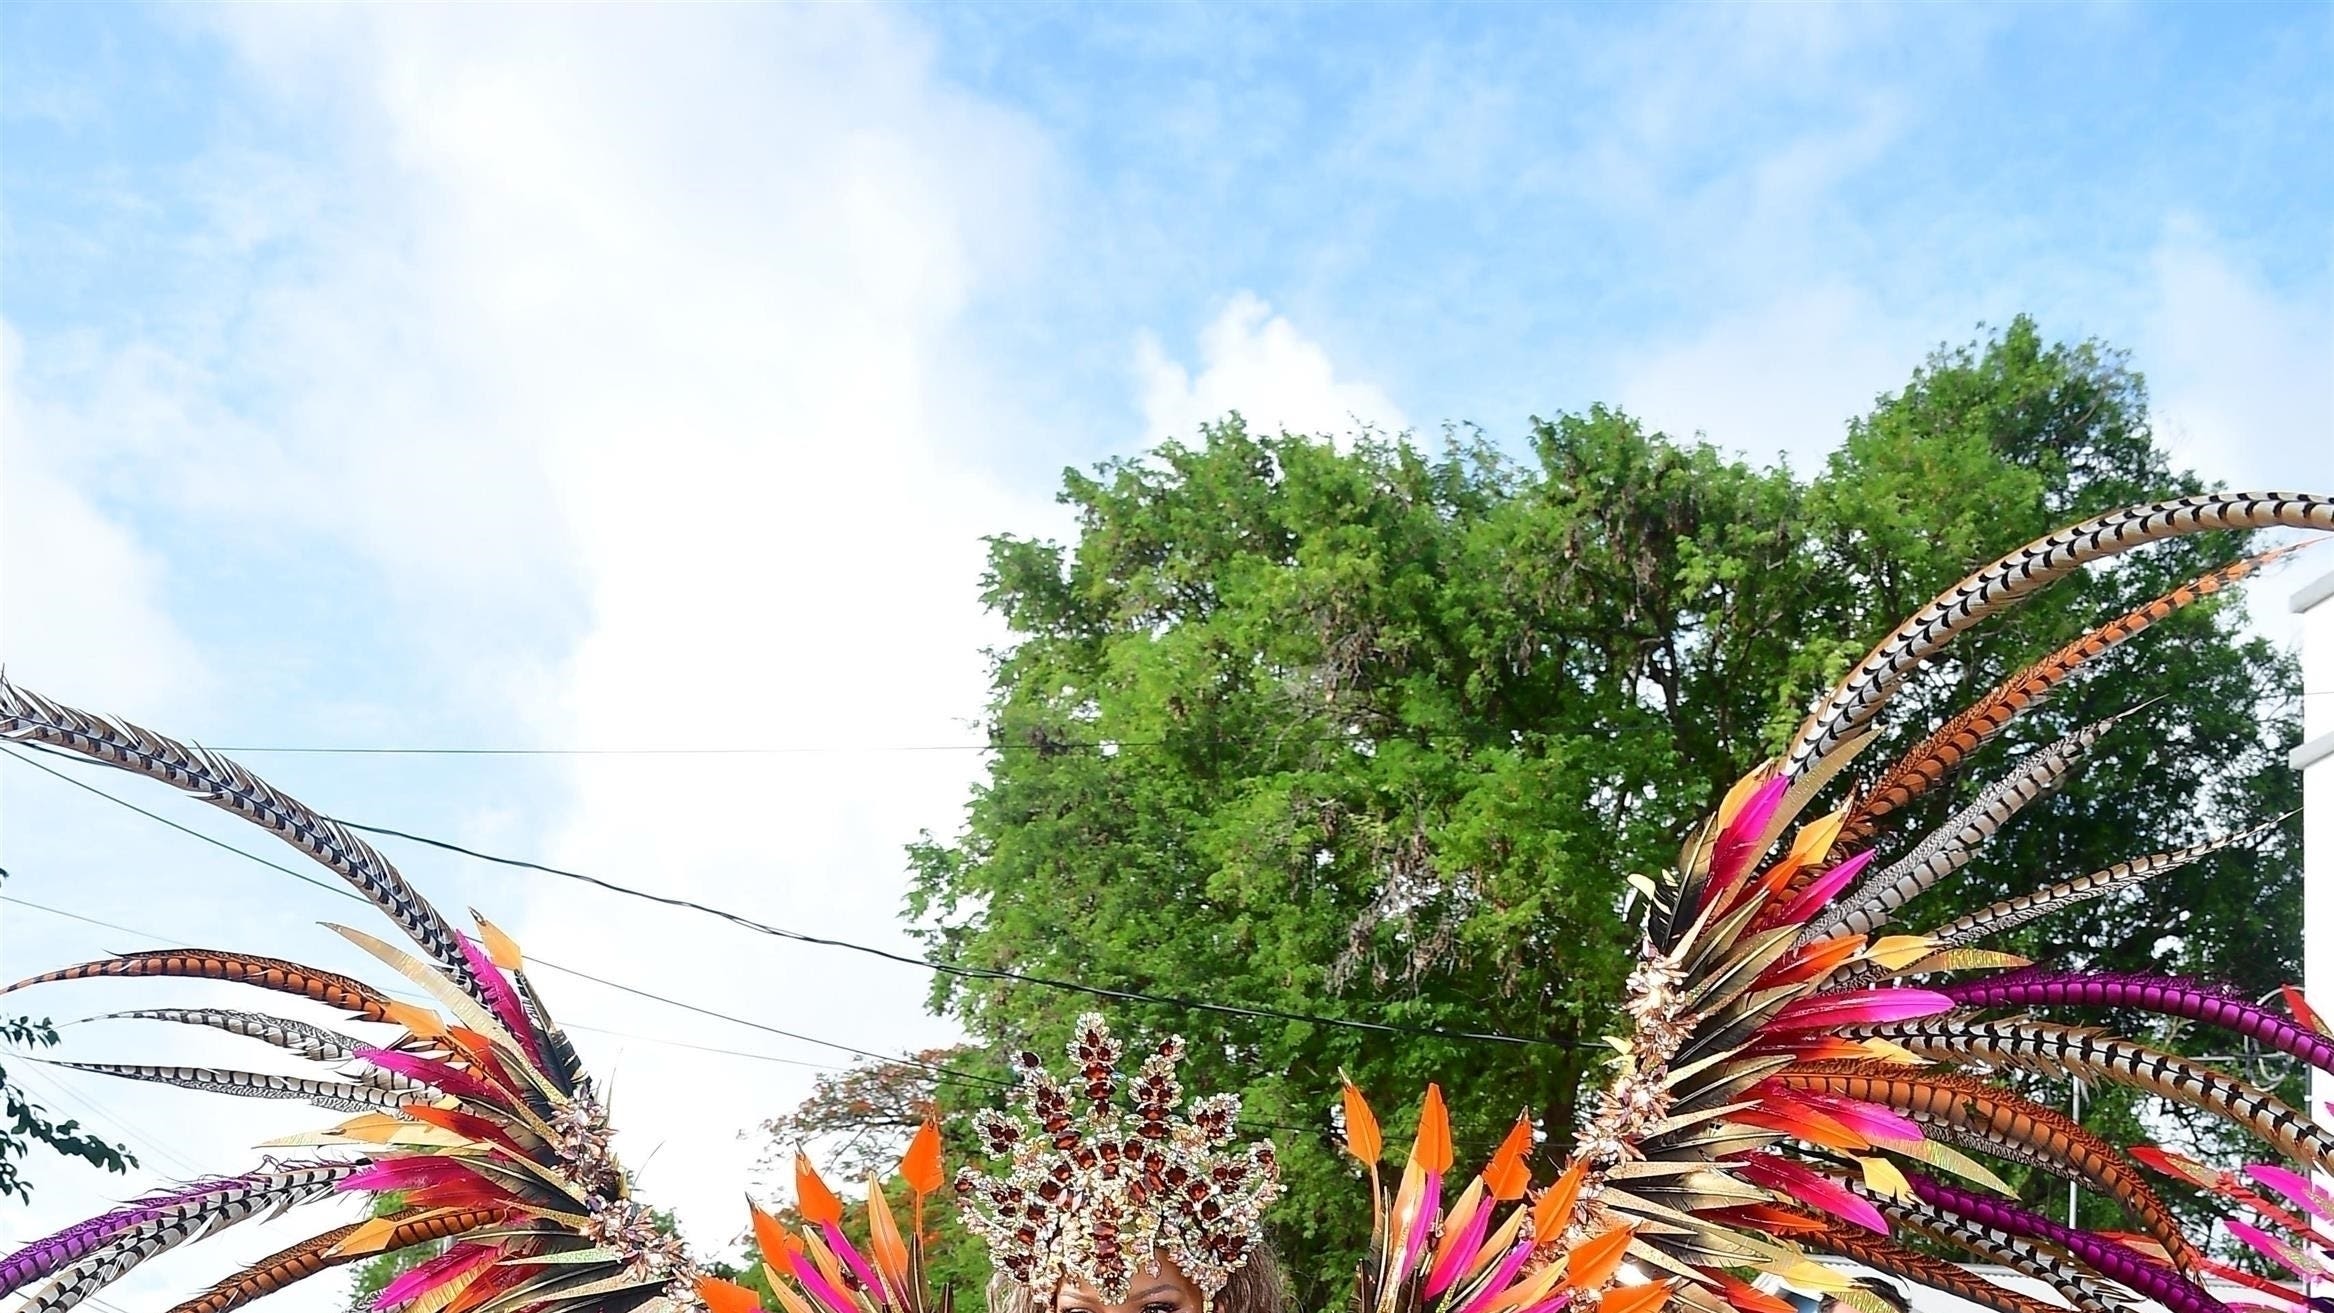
pixel 1093 1192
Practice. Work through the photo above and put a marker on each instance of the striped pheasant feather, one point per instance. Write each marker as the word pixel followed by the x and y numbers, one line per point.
pixel 476 1111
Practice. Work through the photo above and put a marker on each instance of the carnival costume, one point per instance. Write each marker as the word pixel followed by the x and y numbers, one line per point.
pixel 1098 1184
pixel 1781 1093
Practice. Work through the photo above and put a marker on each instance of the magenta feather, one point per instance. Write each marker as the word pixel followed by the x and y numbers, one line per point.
pixel 1502 1276
pixel 437 1075
pixel 425 1277
pixel 1808 1186
pixel 1819 891
pixel 1860 1008
pixel 1461 1251
pixel 2169 996
pixel 502 998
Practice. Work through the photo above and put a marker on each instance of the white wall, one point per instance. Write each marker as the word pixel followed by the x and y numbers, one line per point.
pixel 2314 601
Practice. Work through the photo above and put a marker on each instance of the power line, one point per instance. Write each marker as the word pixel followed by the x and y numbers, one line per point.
pixel 945 1076
pixel 1043 745
pixel 419 998
pixel 950 968
pixel 797 936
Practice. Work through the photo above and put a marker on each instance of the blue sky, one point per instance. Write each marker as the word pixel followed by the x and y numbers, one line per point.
pixel 624 377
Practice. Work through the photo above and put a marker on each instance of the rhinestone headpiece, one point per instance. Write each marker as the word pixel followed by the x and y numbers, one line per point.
pixel 1091 1191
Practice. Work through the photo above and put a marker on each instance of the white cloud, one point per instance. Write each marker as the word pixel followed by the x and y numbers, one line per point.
pixel 628 351
pixel 1782 378
pixel 80 596
pixel 1256 362
pixel 2242 379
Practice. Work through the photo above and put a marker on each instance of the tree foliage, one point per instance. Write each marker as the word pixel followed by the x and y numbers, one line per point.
pixel 1372 733
pixel 25 1123
pixel 29 1124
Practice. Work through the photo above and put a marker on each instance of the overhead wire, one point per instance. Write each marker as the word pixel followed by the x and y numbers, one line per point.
pixel 1043 746
pixel 742 921
pixel 939 1075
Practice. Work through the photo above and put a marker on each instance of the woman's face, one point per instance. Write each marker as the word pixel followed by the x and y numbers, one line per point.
pixel 1161 1288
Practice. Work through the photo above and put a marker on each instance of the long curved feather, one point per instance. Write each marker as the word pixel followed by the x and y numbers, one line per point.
pixel 2010 913
pixel 319 1253
pixel 2001 1122
pixel 272 973
pixel 219 1205
pixel 27 716
pixel 1884 1255
pixel 2165 995
pixel 1937 756
pixel 344 1096
pixel 1860 693
pixel 2076 1051
pixel 2106 1257
pixel 1948 848
pixel 301 1038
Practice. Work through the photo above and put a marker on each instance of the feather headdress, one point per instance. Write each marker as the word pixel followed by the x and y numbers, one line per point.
pixel 1101 1177
pixel 1798 1082
pixel 476 1111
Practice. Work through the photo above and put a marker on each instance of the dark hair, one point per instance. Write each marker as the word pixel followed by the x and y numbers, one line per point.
pixel 1255 1287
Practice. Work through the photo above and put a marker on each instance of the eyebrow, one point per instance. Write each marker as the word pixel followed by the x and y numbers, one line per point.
pixel 1168 1287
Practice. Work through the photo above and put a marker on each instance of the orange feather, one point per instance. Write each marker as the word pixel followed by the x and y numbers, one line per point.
pixel 1636 1299
pixel 1432 1149
pixel 1362 1139
pixel 727 1297
pixel 884 1242
pixel 920 1167
pixel 770 1235
pixel 1509 1175
pixel 1747 1298
pixel 812 1198
pixel 1589 1263
pixel 1552 1212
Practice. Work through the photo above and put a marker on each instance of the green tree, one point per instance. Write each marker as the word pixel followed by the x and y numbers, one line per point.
pixel 27 1123
pixel 1374 734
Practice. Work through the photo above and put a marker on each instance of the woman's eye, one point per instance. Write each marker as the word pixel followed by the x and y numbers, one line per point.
pixel 1161 1306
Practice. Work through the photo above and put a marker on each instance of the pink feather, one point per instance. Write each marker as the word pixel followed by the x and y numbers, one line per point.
pixel 808 1274
pixel 452 1265
pixel 437 1075
pixel 2294 1186
pixel 2283 1254
pixel 850 1255
pixel 1501 1276
pixel 1456 1258
pixel 1430 1204
pixel 1731 856
pixel 1860 1008
pixel 1793 1181
pixel 415 1172
pixel 1821 890
pixel 502 998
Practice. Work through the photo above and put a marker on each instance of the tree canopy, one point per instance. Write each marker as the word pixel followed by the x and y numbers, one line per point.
pixel 1363 731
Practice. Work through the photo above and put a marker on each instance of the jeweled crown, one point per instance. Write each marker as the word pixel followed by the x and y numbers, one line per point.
pixel 1091 1190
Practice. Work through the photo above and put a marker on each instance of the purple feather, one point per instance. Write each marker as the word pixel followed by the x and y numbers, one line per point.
pixel 47 1254
pixel 2102 1255
pixel 2167 995
pixel 51 1253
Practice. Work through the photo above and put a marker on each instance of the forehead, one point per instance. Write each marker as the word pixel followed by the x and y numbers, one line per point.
pixel 1158 1275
